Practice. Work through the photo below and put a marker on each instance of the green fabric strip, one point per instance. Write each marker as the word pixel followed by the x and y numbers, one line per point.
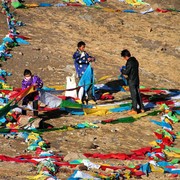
pixel 7 108
pixel 121 120
pixel 173 149
pixel 154 113
pixel 69 104
pixel 174 161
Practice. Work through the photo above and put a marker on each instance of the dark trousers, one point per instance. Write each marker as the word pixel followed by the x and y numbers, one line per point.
pixel 136 97
pixel 26 100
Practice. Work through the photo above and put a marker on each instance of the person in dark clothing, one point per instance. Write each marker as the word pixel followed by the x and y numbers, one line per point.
pixel 132 71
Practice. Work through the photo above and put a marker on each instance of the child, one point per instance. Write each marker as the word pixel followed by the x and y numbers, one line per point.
pixel 31 80
pixel 81 59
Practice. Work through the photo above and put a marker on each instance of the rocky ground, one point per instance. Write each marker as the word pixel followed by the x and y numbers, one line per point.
pixel 54 31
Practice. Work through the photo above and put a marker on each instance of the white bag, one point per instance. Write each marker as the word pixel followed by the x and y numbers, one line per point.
pixel 71 84
pixel 50 100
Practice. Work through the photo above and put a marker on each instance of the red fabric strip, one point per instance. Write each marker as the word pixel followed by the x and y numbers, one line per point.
pixel 159 136
pixel 121 156
pixel 142 151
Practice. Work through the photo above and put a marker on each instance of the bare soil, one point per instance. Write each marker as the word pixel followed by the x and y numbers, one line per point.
pixel 54 31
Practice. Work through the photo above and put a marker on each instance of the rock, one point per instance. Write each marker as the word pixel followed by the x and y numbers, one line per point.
pixel 31 169
pixel 97 122
pixel 72 156
pixel 114 130
pixel 46 57
pixel 36 48
pixel 20 53
pixel 82 167
pixel 177 49
pixel 86 17
pixel 50 68
pixel 94 146
pixel 163 49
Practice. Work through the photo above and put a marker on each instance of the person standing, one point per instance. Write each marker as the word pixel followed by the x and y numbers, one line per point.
pixel 82 63
pixel 132 71
pixel 81 59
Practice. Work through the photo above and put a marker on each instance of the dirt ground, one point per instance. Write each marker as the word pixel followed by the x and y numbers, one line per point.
pixel 54 31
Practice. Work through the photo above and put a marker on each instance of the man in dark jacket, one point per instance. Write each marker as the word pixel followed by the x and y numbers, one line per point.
pixel 132 71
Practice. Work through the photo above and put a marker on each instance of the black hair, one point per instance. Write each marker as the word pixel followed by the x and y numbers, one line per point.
pixel 81 43
pixel 125 53
pixel 27 72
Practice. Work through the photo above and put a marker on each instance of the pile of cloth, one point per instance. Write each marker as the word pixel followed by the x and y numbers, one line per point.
pixel 84 2
pixel 13 38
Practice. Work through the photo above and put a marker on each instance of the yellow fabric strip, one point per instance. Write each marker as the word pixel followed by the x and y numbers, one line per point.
pixel 98 112
pixel 171 154
pixel 156 169
pixel 136 116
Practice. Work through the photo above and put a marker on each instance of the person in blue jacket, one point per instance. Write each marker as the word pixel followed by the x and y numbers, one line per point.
pixel 81 59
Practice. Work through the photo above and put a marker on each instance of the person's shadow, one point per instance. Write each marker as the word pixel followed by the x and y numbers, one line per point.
pixel 54 114
pixel 111 87
pixel 115 85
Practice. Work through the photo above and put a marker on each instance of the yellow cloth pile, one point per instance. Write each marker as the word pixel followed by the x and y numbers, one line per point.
pixel 136 2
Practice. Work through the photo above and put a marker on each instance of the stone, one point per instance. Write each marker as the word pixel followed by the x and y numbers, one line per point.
pixel 50 68
pixel 73 156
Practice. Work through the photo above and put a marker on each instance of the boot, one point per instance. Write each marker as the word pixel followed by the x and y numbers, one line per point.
pixel 24 112
pixel 35 107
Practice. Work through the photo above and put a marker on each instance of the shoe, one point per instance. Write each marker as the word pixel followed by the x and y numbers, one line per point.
pixel 132 112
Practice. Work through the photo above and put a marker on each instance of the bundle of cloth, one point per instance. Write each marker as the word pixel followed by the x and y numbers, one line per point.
pixel 13 38
pixel 135 2
pixel 84 2
pixel 17 3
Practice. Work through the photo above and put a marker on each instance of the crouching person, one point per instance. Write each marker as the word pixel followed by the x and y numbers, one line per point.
pixel 31 80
